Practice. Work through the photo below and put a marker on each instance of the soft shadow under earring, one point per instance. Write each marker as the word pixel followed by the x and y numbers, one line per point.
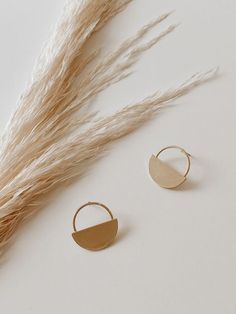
pixel 163 174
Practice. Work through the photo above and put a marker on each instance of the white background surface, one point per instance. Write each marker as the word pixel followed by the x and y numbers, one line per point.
pixel 176 253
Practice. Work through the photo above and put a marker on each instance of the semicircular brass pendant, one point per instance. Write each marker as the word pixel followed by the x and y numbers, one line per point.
pixel 97 237
pixel 163 174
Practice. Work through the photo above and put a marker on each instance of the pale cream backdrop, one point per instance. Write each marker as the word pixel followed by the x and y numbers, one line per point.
pixel 176 253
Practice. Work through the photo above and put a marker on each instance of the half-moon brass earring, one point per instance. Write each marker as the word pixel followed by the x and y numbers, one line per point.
pixel 97 237
pixel 163 174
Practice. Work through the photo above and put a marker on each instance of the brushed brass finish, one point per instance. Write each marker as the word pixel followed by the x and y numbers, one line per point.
pixel 163 174
pixel 97 237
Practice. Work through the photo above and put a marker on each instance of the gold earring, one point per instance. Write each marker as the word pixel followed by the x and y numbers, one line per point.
pixel 165 175
pixel 97 237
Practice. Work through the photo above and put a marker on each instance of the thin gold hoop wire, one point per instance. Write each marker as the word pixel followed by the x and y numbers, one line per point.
pixel 90 204
pixel 182 151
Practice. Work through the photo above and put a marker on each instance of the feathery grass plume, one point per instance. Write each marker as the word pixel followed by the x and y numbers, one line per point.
pixel 53 136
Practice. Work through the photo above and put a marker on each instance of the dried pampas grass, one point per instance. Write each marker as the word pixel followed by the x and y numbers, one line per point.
pixel 53 137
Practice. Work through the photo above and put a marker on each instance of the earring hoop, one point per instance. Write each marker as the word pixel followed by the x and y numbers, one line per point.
pixel 96 237
pixel 163 174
